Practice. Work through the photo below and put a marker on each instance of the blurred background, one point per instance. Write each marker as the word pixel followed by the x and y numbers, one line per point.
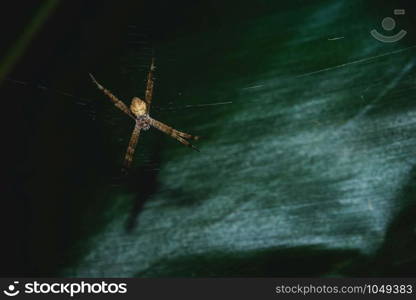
pixel 307 162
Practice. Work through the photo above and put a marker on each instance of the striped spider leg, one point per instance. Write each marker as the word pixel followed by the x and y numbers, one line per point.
pixel 128 158
pixel 178 135
pixel 149 86
pixel 181 137
pixel 139 111
pixel 117 102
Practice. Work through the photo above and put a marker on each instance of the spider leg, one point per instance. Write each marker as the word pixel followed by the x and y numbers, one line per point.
pixel 117 102
pixel 128 158
pixel 149 85
pixel 176 134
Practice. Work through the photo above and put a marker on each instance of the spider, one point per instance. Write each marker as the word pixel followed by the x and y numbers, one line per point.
pixel 139 112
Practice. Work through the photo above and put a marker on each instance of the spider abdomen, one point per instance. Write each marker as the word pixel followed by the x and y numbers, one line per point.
pixel 138 107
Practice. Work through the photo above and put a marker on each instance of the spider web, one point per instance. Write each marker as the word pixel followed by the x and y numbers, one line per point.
pixel 133 66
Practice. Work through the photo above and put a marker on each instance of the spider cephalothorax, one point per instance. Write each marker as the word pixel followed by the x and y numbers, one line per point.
pixel 139 111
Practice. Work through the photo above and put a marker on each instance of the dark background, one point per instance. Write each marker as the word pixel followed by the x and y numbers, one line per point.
pixel 307 157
